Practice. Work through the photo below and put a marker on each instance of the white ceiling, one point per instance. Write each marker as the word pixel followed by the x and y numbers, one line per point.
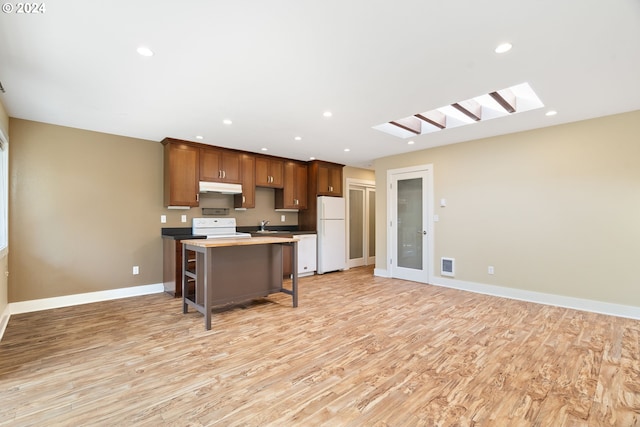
pixel 273 67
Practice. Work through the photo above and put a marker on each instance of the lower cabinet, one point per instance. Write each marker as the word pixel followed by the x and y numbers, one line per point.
pixel 172 266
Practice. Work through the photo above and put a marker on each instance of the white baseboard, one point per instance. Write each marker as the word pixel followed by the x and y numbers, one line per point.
pixel 77 299
pixel 611 309
pixel 381 272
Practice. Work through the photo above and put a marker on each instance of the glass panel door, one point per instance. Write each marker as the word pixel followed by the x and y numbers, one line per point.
pixel 410 223
pixel 409 226
pixel 356 227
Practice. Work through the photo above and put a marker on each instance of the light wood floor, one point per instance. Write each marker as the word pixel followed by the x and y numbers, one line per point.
pixel 358 351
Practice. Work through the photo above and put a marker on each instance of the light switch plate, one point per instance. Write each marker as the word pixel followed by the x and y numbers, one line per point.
pixel 183 218
pixel 282 218
pixel 163 219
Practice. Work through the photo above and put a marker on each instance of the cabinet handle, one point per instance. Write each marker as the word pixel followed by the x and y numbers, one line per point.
pixel 330 188
pixel 224 174
pixel 219 174
pixel 197 197
pixel 295 202
pixel 243 199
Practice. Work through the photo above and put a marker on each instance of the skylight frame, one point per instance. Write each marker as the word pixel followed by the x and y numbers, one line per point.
pixel 501 103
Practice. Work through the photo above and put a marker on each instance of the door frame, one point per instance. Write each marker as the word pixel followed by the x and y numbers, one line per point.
pixel 391 220
pixel 367 185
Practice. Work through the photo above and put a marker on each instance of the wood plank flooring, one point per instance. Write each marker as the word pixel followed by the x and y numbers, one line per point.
pixel 358 351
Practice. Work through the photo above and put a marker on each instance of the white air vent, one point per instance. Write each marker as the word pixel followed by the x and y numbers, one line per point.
pixel 447 266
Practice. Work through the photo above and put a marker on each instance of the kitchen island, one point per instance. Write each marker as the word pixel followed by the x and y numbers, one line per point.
pixel 234 270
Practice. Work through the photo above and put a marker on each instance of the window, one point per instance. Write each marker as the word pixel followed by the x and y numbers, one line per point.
pixel 4 190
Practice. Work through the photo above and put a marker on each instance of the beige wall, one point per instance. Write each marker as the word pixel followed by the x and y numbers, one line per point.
pixel 85 208
pixel 357 173
pixel 4 290
pixel 554 210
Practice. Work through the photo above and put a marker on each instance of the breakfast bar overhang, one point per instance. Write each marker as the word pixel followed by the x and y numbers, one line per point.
pixel 234 270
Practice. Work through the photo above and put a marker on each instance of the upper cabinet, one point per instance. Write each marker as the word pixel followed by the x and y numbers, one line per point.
pixel 296 183
pixel 181 173
pixel 269 172
pixel 220 165
pixel 248 197
pixel 293 195
pixel 327 177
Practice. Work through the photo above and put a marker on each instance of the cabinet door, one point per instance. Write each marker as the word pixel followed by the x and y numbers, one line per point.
pixel 181 174
pixel 293 194
pixel 210 165
pixel 276 168
pixel 269 172
pixel 220 166
pixel 262 172
pixel 324 188
pixel 248 197
pixel 231 167
pixel 335 181
pixel 301 186
pixel 329 180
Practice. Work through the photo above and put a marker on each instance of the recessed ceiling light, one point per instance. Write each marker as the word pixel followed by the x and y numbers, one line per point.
pixel 411 142
pixel 551 113
pixel 503 48
pixel 227 122
pixel 347 149
pixel 264 148
pixel 327 114
pixel 298 138
pixel 199 137
pixel 145 51
pixel 312 158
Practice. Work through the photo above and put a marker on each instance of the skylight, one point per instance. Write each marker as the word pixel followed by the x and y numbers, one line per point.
pixel 501 103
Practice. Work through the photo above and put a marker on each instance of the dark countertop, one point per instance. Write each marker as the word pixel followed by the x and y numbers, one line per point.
pixel 179 233
pixel 184 233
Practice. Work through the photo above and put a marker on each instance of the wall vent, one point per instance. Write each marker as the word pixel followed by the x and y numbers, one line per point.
pixel 447 267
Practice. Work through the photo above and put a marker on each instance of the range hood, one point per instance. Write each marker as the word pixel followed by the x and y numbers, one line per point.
pixel 220 187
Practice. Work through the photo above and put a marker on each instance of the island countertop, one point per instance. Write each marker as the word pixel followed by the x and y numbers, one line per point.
pixel 238 241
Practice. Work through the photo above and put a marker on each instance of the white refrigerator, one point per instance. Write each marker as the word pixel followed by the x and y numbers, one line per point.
pixel 331 234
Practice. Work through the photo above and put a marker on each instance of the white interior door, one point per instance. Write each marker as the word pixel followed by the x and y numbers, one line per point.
pixel 410 227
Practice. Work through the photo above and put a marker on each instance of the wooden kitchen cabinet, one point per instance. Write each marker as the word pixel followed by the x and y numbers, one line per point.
pixel 269 172
pixel 293 195
pixel 220 165
pixel 325 179
pixel 181 173
pixel 248 197
pixel 172 266
pixel 329 179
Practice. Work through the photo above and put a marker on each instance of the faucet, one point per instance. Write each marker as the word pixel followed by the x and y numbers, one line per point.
pixel 263 224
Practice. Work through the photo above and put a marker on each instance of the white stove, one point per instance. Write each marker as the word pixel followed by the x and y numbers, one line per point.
pixel 216 228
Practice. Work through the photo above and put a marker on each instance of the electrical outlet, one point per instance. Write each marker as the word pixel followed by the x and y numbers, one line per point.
pixel 282 218
pixel 136 270
pixel 490 269
pixel 183 218
pixel 163 219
